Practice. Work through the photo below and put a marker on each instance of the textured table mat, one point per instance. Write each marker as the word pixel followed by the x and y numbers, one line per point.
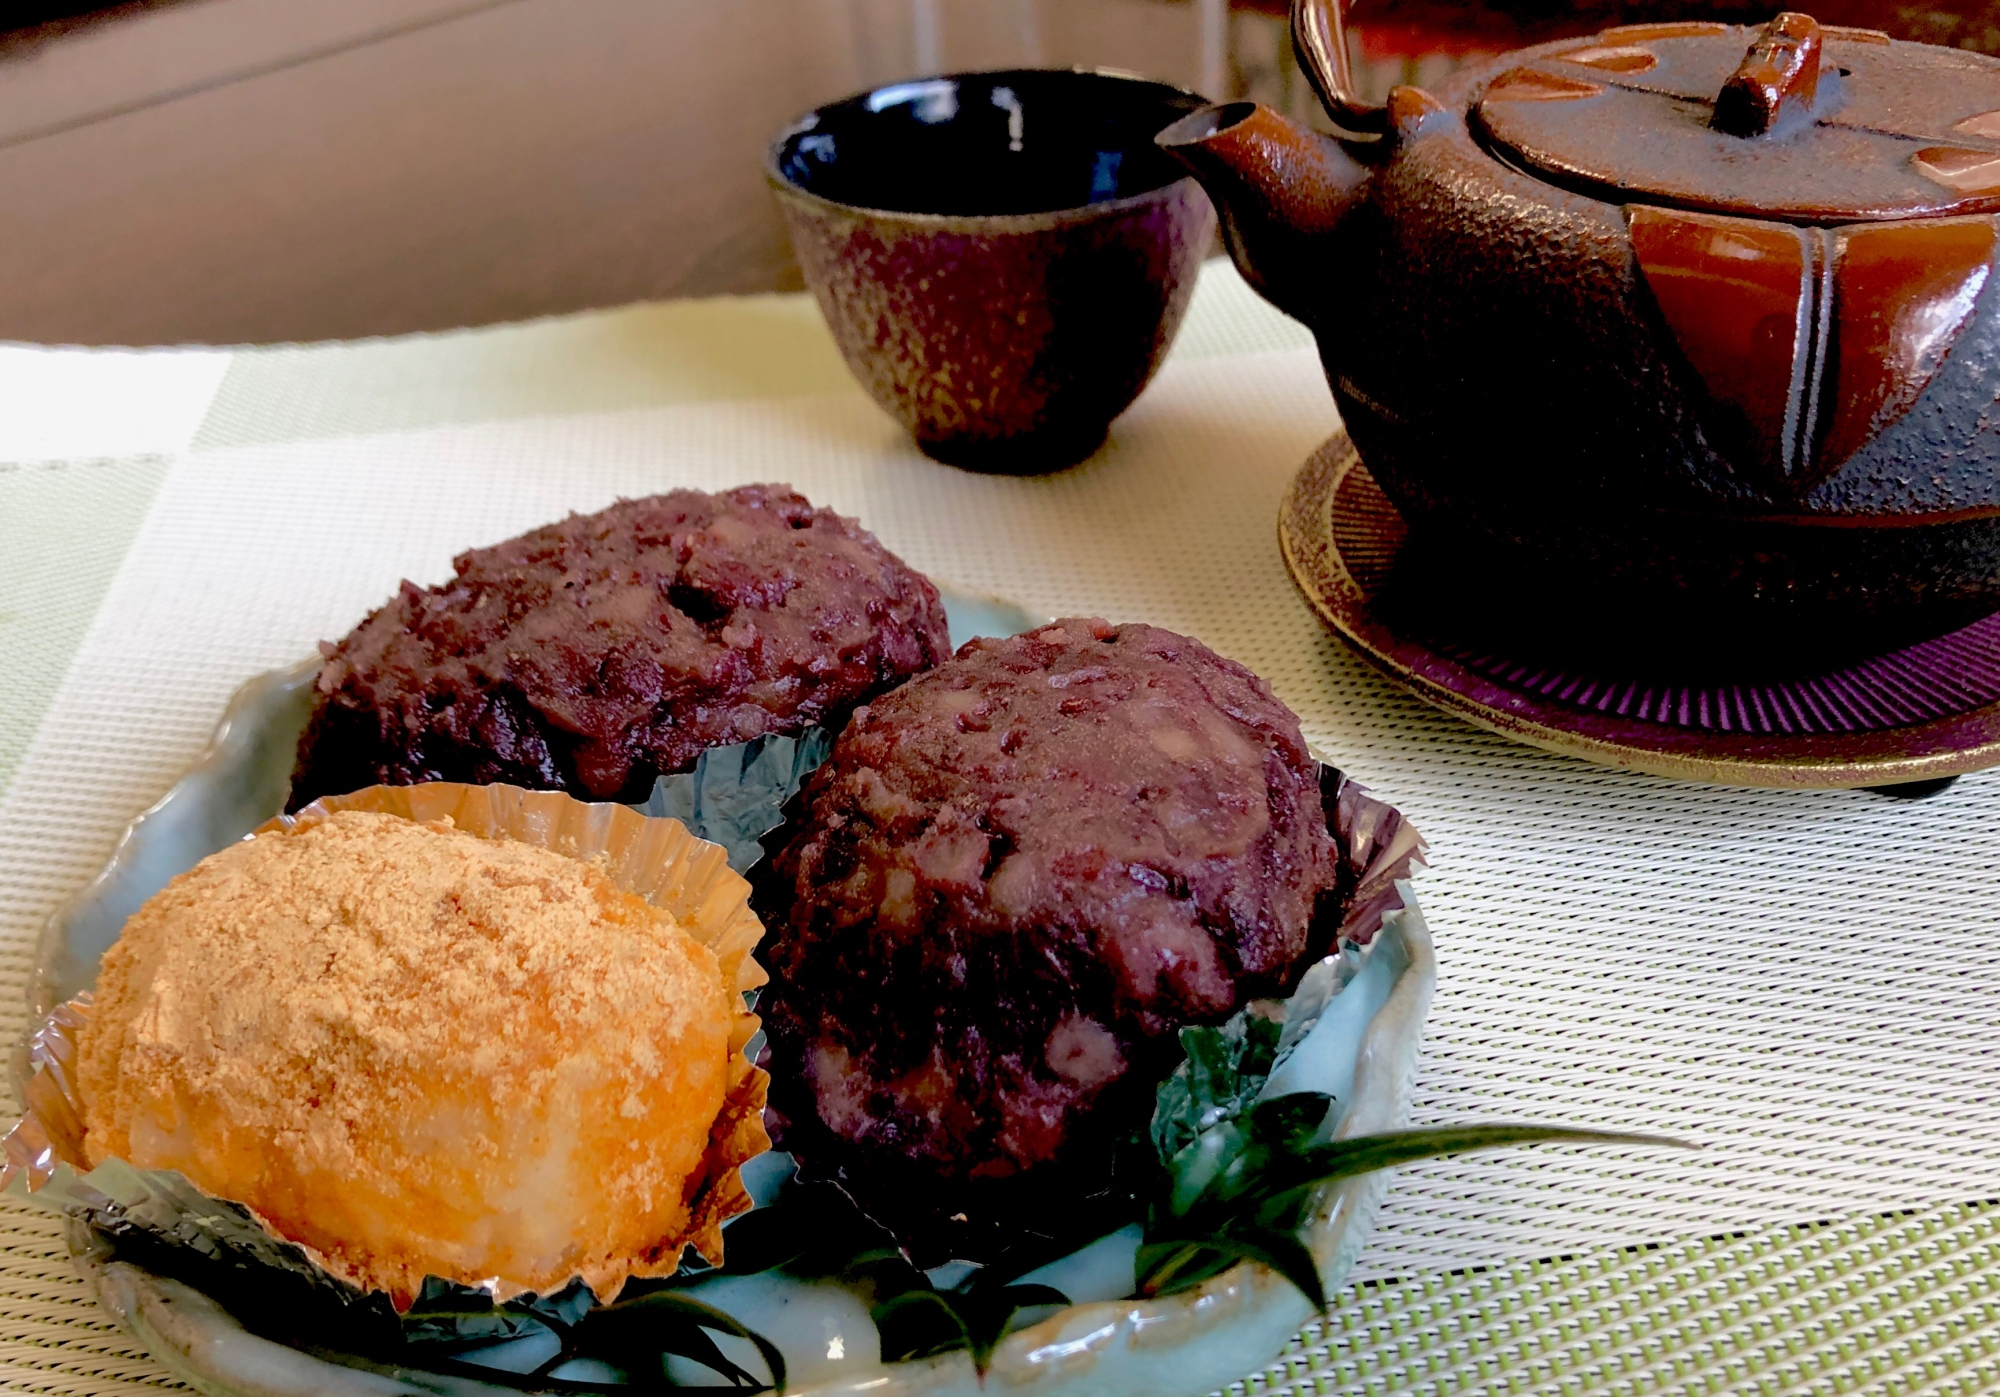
pixel 1804 982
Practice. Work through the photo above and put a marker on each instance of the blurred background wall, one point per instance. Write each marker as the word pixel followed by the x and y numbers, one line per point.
pixel 258 170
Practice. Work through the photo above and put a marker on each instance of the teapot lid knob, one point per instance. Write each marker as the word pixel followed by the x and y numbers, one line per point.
pixel 1779 75
pixel 1815 124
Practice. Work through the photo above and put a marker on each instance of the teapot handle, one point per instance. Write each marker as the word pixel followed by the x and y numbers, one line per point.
pixel 1319 36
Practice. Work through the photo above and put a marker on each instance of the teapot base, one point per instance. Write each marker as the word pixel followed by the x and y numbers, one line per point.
pixel 1634 616
pixel 1740 594
pixel 1538 665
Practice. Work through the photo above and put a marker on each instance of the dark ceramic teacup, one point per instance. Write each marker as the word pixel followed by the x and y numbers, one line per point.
pixel 1003 258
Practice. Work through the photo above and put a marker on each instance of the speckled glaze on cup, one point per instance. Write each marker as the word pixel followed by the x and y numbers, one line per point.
pixel 1003 258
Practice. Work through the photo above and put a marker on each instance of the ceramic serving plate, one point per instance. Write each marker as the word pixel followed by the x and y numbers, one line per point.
pixel 1362 1050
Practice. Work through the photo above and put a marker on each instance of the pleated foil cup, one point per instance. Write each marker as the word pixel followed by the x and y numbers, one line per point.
pixel 1379 852
pixel 1378 849
pixel 42 1159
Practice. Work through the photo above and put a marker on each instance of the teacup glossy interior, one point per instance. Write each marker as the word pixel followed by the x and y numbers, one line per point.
pixel 988 143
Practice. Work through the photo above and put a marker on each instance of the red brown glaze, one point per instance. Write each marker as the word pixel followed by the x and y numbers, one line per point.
pixel 1319 38
pixel 1778 78
pixel 1986 126
pixel 1798 394
pixel 1534 85
pixel 1410 107
pixel 1975 172
pixel 1647 33
pixel 1735 293
pixel 1614 58
pixel 1902 293
pixel 1281 190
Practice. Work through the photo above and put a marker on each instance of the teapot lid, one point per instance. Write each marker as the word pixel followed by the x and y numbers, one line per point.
pixel 1796 121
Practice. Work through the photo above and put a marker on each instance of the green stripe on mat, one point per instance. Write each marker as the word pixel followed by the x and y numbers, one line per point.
pixel 64 529
pixel 1899 1304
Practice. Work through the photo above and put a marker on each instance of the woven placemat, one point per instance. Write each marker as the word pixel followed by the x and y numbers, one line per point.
pixel 69 524
pixel 1899 1304
pixel 1802 981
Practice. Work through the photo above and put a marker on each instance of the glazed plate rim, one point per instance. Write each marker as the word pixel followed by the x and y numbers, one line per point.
pixel 1190 1343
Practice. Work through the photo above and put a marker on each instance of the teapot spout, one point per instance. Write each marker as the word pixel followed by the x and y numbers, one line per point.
pixel 1281 190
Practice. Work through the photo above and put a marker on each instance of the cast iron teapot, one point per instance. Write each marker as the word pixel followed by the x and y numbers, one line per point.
pixel 1689 322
